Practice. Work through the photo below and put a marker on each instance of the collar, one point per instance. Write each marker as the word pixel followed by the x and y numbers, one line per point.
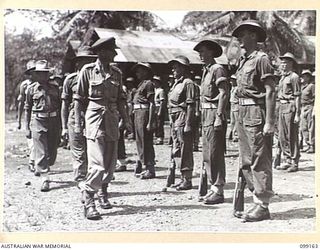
pixel 287 73
pixel 98 68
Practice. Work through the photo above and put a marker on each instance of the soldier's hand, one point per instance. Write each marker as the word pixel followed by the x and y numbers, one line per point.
pixel 128 127
pixel 296 118
pixel 187 128
pixel 28 133
pixel 148 127
pixel 77 129
pixel 197 114
pixel 64 132
pixel 19 125
pixel 268 129
pixel 218 124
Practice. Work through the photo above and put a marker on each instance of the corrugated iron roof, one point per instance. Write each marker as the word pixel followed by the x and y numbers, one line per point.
pixel 152 47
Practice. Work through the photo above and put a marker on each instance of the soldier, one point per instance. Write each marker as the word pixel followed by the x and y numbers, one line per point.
pixel 160 104
pixel 289 94
pixel 77 140
pixel 130 94
pixel 213 97
pixel 121 161
pixel 181 101
pixel 234 109
pixel 307 104
pixel 197 115
pixel 42 109
pixel 99 94
pixel 144 122
pixel 21 100
pixel 256 119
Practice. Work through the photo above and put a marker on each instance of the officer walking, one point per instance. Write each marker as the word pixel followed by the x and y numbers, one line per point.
pixel 214 96
pixel 289 94
pixel 21 101
pixel 307 105
pixel 181 101
pixel 99 95
pixel 144 121
pixel 42 116
pixel 77 140
pixel 256 119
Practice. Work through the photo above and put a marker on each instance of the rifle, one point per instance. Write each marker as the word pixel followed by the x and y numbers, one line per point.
pixel 203 186
pixel 238 198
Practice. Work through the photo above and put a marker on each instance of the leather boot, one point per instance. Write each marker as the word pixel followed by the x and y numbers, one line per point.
pixel 185 185
pixel 138 168
pixel 90 211
pixel 103 197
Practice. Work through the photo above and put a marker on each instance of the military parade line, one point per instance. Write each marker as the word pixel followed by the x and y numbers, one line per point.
pixel 97 110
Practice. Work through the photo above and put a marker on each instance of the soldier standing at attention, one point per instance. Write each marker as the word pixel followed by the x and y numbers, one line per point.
pixel 77 140
pixel 42 116
pixel 143 105
pixel 99 95
pixel 160 103
pixel 21 101
pixel 181 101
pixel 197 115
pixel 307 105
pixel 234 109
pixel 256 119
pixel 289 94
pixel 213 97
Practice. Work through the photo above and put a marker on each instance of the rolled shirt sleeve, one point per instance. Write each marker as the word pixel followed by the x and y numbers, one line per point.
pixel 81 93
pixel 220 76
pixel 190 91
pixel 264 68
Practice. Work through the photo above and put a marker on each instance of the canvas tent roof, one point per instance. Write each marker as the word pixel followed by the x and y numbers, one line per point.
pixel 152 47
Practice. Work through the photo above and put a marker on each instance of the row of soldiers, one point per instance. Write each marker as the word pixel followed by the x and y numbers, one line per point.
pixel 94 101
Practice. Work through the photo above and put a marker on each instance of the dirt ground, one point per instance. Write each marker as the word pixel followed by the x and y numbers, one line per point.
pixel 139 205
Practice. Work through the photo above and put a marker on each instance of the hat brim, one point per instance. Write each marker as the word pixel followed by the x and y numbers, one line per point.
pixel 290 58
pixel 262 35
pixel 210 44
pixel 178 61
pixel 134 67
pixel 28 71
pixel 84 56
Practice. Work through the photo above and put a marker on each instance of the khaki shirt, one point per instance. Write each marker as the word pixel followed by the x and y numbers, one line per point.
pixel 23 89
pixel 180 95
pixel 289 86
pixel 102 90
pixel 144 93
pixel 213 76
pixel 308 94
pixel 43 98
pixel 251 74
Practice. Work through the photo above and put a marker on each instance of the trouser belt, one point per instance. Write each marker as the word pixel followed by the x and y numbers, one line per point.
pixel 250 101
pixel 209 105
pixel 140 106
pixel 285 101
pixel 45 114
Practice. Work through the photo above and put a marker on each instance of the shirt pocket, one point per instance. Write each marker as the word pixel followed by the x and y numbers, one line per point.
pixel 176 95
pixel 39 100
pixel 96 89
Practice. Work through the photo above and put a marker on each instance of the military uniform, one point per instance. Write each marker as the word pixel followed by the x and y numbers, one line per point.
pixel 234 112
pixel 22 98
pixel 255 148
pixel 289 88
pixel 197 120
pixel 181 94
pixel 159 98
pixel 44 103
pixel 144 138
pixel 307 120
pixel 77 140
pixel 213 141
pixel 102 91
